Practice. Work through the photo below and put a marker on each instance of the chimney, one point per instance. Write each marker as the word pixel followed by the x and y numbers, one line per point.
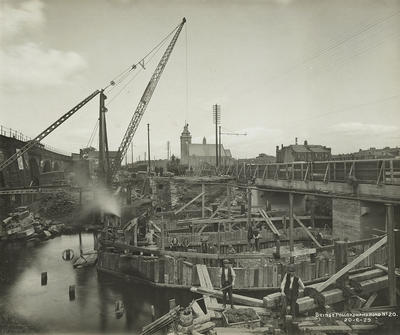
pixel 295 140
pixel 277 148
pixel 305 142
pixel 281 146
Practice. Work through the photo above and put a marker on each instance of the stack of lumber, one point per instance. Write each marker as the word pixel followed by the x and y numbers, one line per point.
pixel 161 322
pixel 364 282
pixel 336 295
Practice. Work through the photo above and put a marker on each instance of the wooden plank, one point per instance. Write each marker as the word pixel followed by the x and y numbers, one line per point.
pixel 351 265
pixel 269 222
pixel 385 268
pixel 205 282
pixel 370 300
pixel 189 203
pixel 307 231
pixel 219 208
pixel 197 309
pixel 240 299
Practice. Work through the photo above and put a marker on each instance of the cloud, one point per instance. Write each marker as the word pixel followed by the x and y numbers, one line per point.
pixel 27 64
pixel 14 20
pixel 359 128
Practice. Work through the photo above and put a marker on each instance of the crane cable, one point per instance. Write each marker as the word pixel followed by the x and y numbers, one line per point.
pixel 125 73
pixel 137 73
pixel 93 134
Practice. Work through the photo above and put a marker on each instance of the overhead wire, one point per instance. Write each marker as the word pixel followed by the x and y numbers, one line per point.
pixel 336 45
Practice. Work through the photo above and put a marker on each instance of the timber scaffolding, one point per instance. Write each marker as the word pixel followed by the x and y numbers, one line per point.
pixel 158 265
pixel 338 276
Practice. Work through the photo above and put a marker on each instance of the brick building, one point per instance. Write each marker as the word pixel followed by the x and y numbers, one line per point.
pixel 302 153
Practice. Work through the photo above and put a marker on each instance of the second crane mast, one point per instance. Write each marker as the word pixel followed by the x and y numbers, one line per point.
pixel 144 101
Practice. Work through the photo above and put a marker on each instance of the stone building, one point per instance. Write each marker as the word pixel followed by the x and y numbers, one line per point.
pixel 197 155
pixel 302 153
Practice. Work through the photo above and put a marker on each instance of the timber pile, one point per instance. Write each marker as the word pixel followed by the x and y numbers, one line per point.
pixel 161 322
pixel 363 283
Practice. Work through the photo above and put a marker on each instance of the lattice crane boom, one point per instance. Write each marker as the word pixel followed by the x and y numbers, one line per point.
pixel 29 145
pixel 144 101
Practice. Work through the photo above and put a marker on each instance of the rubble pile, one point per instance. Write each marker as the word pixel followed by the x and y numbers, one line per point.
pixel 57 205
pixel 240 315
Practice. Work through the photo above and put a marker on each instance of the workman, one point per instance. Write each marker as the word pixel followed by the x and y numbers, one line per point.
pixel 231 250
pixel 290 289
pixel 227 282
pixel 257 237
pixel 174 244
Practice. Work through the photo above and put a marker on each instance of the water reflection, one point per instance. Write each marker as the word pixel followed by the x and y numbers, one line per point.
pixel 93 310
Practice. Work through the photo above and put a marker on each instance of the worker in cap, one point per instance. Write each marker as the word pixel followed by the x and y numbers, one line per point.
pixel 228 276
pixel 290 289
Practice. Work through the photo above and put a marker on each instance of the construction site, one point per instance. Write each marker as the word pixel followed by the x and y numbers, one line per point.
pixel 300 243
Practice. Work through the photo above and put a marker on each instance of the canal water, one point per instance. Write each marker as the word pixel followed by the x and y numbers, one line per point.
pixel 49 309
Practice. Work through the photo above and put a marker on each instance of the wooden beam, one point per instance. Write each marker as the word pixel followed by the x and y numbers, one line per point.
pixel 336 295
pixel 269 222
pixel 307 231
pixel 185 254
pixel 385 268
pixel 190 202
pixel 218 208
pixel 370 300
pixel 352 264
pixel 240 299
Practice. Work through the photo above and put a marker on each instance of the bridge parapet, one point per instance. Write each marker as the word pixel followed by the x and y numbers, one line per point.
pixel 374 171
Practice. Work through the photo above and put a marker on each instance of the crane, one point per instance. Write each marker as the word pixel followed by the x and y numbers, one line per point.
pixel 143 103
pixel 29 145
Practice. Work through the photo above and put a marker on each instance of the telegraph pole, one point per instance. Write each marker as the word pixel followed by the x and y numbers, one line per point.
pixel 220 147
pixel 217 120
pixel 148 147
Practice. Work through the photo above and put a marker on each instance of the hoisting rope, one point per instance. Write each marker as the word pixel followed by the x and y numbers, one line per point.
pixel 125 73
pixel 160 45
pixel 93 134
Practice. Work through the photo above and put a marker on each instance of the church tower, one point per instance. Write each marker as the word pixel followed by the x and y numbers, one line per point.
pixel 186 139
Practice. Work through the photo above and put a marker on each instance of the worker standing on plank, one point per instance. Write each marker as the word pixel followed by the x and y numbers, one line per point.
pixel 227 281
pixel 290 289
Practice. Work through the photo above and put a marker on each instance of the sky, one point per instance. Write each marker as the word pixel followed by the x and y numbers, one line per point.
pixel 325 71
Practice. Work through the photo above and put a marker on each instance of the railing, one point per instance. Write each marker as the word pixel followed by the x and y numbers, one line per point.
pixel 12 133
pixel 374 171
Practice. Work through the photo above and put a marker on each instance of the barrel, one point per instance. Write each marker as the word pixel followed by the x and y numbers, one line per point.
pixel 186 317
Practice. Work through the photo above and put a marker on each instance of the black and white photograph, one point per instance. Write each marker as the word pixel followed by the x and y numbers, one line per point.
pixel 187 167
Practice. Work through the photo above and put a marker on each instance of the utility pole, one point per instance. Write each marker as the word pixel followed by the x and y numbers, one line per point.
pixel 167 150
pixel 220 147
pixel 217 120
pixel 148 147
